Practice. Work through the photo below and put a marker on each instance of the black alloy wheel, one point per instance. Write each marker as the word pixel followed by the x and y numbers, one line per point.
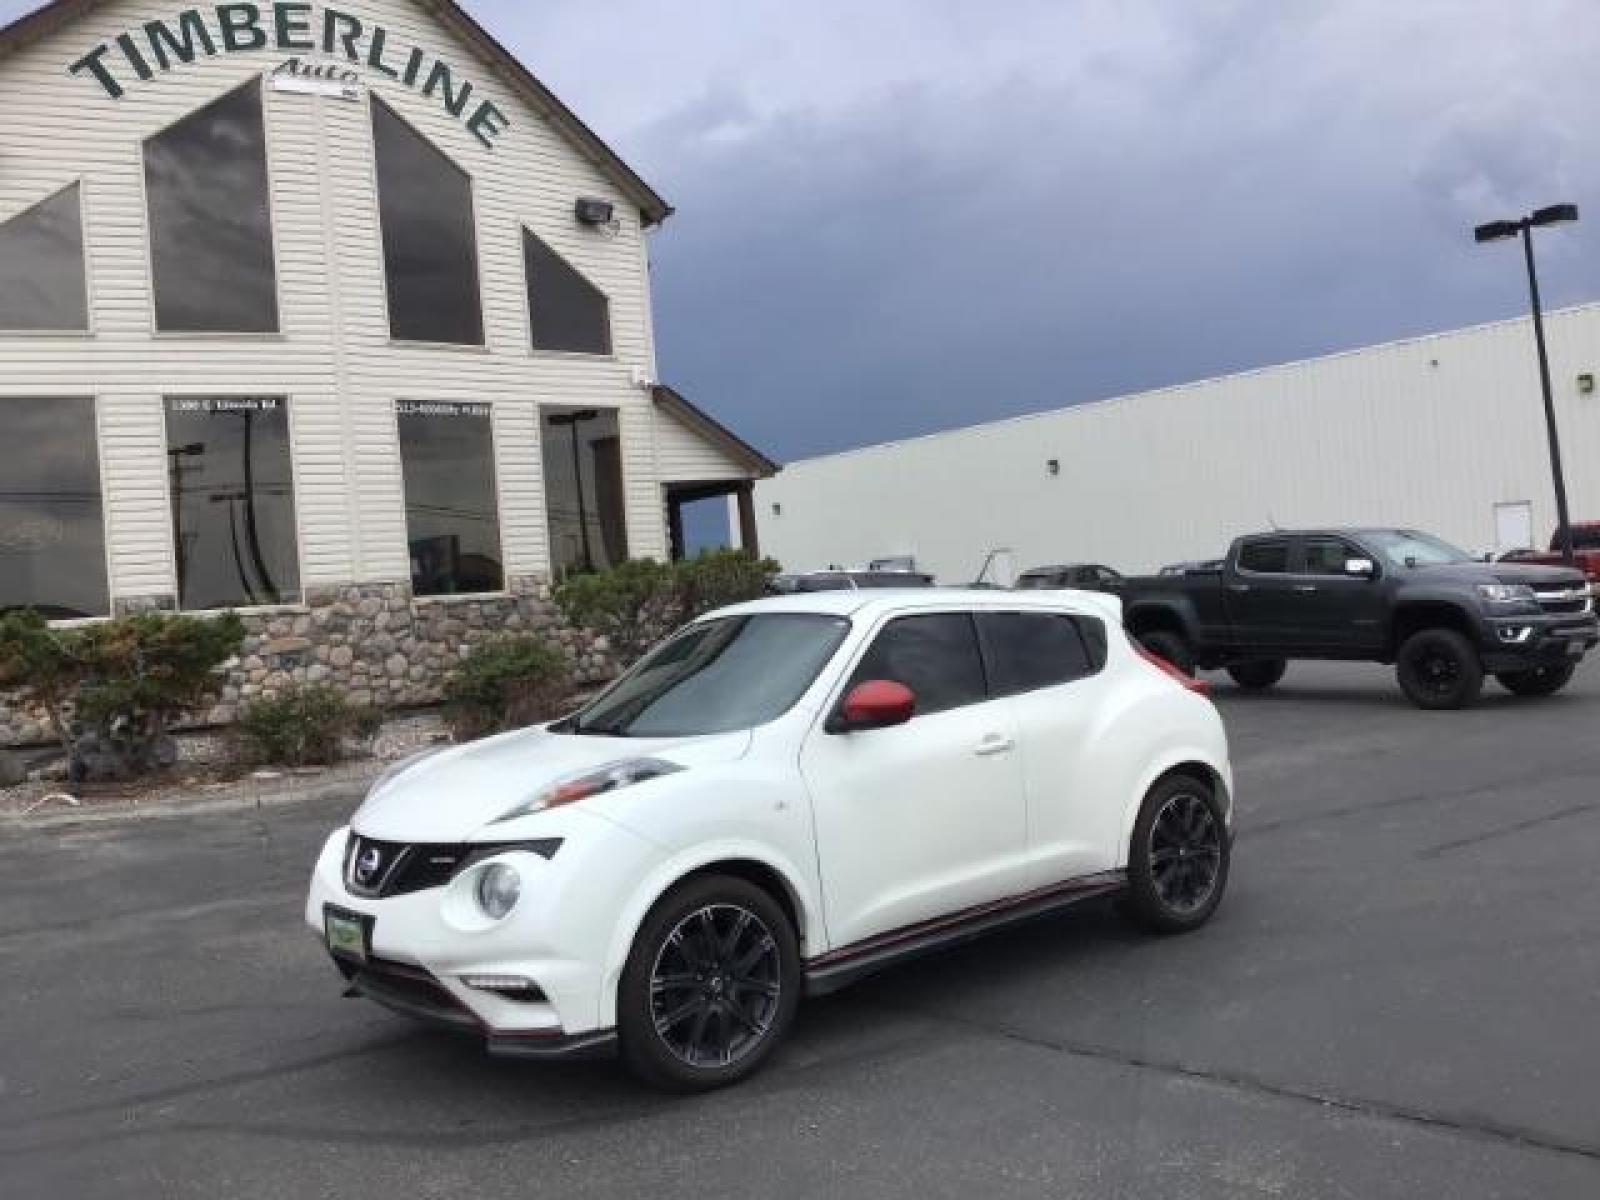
pixel 1178 861
pixel 710 986
pixel 715 986
pixel 1538 681
pixel 1438 668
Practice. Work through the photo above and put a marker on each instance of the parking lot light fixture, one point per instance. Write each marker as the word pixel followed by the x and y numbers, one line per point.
pixel 1493 231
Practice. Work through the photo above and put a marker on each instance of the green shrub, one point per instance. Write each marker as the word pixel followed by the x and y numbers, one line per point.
pixel 505 684
pixel 302 726
pixel 113 688
pixel 637 603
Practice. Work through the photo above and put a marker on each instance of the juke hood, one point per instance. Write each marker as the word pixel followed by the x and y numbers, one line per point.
pixel 452 795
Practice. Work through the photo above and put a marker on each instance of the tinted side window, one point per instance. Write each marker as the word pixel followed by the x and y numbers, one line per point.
pixel 936 656
pixel 41 266
pixel 430 249
pixel 210 228
pixel 1032 650
pixel 1327 556
pixel 1265 558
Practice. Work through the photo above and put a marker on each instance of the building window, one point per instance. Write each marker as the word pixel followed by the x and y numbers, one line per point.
pixel 430 252
pixel 583 494
pixel 452 514
pixel 41 266
pixel 232 486
pixel 565 310
pixel 210 225
pixel 52 531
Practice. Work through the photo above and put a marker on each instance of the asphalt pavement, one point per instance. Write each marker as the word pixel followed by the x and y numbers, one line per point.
pixel 1397 998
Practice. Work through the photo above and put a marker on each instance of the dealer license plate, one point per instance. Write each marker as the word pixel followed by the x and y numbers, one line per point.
pixel 347 934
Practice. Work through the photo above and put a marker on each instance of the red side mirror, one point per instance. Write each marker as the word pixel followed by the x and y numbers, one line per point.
pixel 877 704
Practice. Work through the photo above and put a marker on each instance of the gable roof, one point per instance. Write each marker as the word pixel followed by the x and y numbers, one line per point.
pixel 653 209
pixel 715 432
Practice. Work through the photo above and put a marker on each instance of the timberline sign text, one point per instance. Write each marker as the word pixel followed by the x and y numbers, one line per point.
pixel 297 28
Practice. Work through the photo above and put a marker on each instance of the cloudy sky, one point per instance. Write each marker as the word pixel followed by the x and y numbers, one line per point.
pixel 906 215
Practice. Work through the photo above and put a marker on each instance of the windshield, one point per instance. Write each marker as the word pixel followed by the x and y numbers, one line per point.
pixel 1408 548
pixel 715 676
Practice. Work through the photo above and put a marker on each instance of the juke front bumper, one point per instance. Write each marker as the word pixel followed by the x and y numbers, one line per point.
pixel 419 949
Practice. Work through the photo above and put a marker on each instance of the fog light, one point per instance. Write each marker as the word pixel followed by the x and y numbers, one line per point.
pixel 498 888
pixel 516 987
pixel 1515 634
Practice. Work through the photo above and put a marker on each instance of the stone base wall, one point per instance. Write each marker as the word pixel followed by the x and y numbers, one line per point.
pixel 376 642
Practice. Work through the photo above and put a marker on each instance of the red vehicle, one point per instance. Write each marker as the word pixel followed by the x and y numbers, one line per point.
pixel 1585 552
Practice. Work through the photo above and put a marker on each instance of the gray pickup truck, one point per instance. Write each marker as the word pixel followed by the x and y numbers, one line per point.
pixel 1444 619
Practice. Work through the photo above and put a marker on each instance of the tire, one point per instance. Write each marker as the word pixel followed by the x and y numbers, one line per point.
pixel 1438 668
pixel 1538 681
pixel 1179 858
pixel 1259 674
pixel 1169 647
pixel 692 960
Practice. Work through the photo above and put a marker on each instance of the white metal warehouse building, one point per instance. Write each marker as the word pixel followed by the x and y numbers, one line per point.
pixel 1444 433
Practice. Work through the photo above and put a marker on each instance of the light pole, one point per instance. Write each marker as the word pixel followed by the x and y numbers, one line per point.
pixel 1554 214
pixel 573 419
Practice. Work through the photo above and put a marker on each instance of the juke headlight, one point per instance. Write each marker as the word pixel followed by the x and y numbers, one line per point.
pixel 608 778
pixel 499 886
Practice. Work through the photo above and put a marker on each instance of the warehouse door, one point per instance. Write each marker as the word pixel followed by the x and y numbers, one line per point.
pixel 1513 526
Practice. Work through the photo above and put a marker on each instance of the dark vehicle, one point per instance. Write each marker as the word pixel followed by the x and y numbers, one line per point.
pixel 1372 595
pixel 1085 576
pixel 842 581
pixel 1585 552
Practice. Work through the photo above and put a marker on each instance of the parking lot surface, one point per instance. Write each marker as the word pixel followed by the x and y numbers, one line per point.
pixel 1397 998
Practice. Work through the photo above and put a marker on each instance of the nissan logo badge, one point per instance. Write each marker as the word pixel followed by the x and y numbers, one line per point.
pixel 367 864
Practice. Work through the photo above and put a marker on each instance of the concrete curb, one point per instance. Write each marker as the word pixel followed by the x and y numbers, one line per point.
pixel 276 793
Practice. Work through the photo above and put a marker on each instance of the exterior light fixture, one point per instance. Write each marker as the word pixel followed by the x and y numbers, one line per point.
pixel 1493 231
pixel 591 210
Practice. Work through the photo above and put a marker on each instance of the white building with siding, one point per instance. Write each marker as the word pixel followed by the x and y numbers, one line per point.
pixel 1444 433
pixel 310 307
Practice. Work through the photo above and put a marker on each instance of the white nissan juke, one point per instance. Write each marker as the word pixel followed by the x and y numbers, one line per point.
pixel 784 796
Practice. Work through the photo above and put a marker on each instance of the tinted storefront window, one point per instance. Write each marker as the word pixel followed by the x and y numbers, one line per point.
pixel 41 266
pixel 565 310
pixel 430 252
pixel 52 533
pixel 232 487
pixel 583 489
pixel 210 226
pixel 452 515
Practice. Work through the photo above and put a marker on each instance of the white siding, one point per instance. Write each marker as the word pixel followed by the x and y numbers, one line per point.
pixel 683 456
pixel 333 358
pixel 1429 433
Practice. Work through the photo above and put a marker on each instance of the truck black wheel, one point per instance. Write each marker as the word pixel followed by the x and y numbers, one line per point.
pixel 1438 668
pixel 1169 647
pixel 1262 673
pixel 710 987
pixel 1178 859
pixel 1538 681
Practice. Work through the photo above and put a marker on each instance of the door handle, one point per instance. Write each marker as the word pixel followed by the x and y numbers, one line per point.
pixel 993 743
pixel 1305 587
pixel 1238 587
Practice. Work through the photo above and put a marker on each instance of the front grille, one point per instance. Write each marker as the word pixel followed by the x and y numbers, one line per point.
pixel 1564 600
pixel 375 868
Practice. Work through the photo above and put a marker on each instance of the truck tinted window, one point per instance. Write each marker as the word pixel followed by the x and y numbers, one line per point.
pixel 1264 558
pixel 1327 556
pixel 936 656
pixel 1033 650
